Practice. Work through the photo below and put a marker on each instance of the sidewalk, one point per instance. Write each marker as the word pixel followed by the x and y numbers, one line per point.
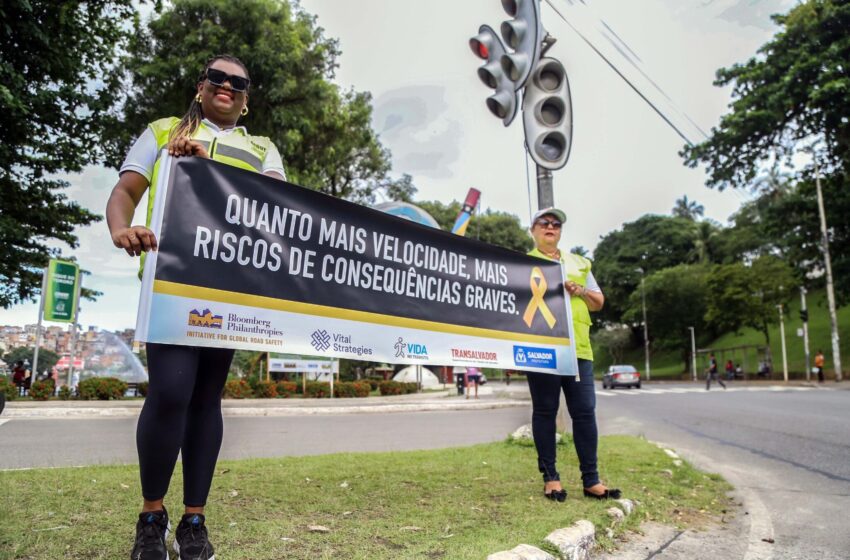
pixel 442 400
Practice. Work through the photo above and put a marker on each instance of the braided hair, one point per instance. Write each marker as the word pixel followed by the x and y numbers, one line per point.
pixel 192 119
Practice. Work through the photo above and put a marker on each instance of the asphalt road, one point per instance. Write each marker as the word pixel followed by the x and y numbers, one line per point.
pixel 786 451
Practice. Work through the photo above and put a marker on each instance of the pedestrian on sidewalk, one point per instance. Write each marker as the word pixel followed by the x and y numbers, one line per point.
pixel 19 377
pixel 820 360
pixel 712 373
pixel 182 411
pixel 585 296
pixel 473 378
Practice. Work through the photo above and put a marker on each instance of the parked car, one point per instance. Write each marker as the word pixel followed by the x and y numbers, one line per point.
pixel 621 376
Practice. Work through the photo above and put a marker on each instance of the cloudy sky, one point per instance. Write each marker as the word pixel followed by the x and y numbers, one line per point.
pixel 429 109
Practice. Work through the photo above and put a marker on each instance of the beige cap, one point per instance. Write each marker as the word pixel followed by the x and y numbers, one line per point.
pixel 554 211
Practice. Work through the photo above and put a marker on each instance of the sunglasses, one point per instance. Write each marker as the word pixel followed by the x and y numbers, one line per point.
pixel 546 223
pixel 218 77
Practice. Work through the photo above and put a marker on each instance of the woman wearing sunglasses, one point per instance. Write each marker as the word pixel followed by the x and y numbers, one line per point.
pixel 585 296
pixel 182 411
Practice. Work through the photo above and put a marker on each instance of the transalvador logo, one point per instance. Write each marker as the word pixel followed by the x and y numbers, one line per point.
pixel 535 357
pixel 410 350
pixel 207 320
pixel 320 340
pixel 467 355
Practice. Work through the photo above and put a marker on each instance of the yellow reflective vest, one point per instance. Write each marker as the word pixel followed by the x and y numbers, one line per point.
pixel 237 148
pixel 576 269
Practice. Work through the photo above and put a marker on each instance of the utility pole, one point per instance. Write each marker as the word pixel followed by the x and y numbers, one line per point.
pixel 693 353
pixel 804 316
pixel 782 335
pixel 830 292
pixel 645 326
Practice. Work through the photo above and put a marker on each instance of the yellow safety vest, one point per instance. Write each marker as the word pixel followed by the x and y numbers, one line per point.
pixel 237 148
pixel 576 268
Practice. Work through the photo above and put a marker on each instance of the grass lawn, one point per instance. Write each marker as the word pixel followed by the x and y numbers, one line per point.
pixel 452 503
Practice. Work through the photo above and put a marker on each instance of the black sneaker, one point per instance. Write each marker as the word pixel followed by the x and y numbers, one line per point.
pixel 190 540
pixel 151 533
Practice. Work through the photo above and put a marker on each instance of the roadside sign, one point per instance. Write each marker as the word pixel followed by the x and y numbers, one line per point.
pixel 60 295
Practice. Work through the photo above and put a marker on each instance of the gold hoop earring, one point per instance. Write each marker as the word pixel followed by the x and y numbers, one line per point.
pixel 198 99
pixel 244 110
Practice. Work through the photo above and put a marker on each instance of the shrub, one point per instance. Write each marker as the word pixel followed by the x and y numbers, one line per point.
pixel 6 386
pixel 352 389
pixel 142 388
pixel 102 388
pixel 237 389
pixel 265 390
pixel 286 389
pixel 41 390
pixel 64 393
pixel 374 383
pixel 391 388
pixel 410 388
pixel 317 390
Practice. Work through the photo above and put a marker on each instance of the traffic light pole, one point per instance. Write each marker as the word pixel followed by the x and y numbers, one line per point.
pixel 805 316
pixel 545 193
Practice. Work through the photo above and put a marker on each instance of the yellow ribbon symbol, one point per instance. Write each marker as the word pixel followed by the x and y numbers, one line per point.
pixel 538 290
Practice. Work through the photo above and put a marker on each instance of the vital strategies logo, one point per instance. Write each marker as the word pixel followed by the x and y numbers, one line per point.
pixel 322 341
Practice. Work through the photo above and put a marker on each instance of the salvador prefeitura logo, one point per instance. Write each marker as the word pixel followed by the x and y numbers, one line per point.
pixel 206 320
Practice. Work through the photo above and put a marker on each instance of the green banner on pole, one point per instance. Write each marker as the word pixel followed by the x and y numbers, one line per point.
pixel 60 296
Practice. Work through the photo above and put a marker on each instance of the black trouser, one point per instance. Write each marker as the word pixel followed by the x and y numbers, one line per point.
pixel 581 404
pixel 713 375
pixel 182 413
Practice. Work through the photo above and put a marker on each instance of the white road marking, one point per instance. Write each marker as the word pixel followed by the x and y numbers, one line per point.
pixel 4 421
pixel 605 393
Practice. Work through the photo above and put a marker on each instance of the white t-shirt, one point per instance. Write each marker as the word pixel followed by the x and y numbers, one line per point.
pixel 142 156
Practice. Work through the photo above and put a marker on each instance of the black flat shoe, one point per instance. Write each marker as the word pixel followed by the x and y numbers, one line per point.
pixel 556 495
pixel 610 493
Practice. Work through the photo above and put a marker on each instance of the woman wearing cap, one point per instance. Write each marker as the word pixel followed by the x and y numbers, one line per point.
pixel 585 296
pixel 182 411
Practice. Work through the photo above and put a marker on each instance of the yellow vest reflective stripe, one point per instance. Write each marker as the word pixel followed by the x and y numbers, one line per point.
pixel 237 148
pixel 576 269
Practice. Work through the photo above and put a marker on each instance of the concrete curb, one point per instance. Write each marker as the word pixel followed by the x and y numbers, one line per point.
pixel 242 411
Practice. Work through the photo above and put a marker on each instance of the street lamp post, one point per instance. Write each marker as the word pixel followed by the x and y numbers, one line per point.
pixel 645 326
pixel 693 354
pixel 830 293
pixel 782 335
pixel 804 316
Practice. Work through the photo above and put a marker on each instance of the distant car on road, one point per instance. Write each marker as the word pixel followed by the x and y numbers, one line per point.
pixel 621 376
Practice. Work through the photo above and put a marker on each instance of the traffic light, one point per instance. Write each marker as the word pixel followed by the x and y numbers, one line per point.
pixel 522 34
pixel 804 315
pixel 488 46
pixel 547 114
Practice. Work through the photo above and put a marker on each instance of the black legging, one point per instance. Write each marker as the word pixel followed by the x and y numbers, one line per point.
pixel 182 412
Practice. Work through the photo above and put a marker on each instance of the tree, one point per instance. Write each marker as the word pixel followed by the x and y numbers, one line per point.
pixel 705 237
pixel 792 96
pixel 688 209
pixel 46 358
pixel 652 243
pixel 324 134
pixel 57 86
pixel 614 339
pixel 497 228
pixel 796 89
pixel 676 298
pixel 748 295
